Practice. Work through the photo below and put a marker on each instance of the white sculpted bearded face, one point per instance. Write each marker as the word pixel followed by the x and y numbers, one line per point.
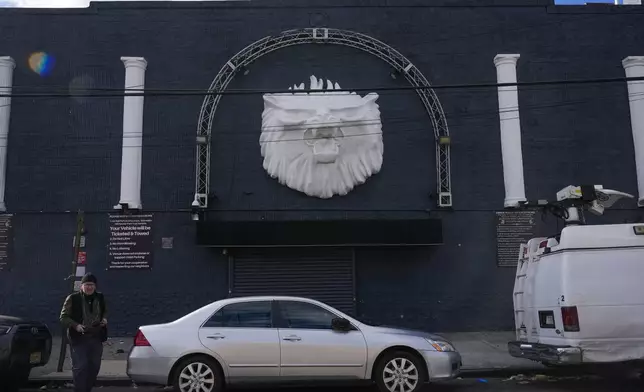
pixel 321 143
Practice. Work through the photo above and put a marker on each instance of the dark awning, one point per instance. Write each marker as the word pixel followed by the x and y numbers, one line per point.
pixel 411 232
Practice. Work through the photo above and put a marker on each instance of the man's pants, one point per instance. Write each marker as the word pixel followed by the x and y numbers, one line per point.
pixel 86 355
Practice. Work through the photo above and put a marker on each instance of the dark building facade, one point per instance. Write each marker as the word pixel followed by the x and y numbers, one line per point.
pixel 64 153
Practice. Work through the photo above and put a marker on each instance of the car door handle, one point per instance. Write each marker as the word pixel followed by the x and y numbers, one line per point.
pixel 292 338
pixel 216 337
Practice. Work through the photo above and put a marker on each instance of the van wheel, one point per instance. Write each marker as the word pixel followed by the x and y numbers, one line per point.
pixel 198 373
pixel 399 371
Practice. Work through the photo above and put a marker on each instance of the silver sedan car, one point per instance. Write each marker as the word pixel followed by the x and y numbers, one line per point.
pixel 268 340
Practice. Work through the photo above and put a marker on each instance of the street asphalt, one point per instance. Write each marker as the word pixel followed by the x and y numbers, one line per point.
pixel 571 384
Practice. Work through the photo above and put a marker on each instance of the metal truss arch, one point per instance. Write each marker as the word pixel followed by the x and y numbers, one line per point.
pixel 330 37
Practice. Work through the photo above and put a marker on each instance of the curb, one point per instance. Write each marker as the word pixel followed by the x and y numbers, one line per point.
pixel 527 372
pixel 58 382
pixel 507 372
pixel 118 381
pixel 465 373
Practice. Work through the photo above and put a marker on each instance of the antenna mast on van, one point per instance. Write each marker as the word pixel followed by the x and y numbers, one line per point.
pixel 594 198
pixel 573 200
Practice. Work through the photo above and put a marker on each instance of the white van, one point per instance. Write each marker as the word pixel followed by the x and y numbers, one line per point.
pixel 579 297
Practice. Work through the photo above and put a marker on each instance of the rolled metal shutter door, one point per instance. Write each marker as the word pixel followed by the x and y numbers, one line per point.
pixel 322 274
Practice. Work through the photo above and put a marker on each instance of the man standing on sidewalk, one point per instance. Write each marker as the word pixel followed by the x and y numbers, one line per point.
pixel 84 315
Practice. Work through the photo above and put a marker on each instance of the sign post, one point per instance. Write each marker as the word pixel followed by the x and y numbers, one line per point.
pixel 77 262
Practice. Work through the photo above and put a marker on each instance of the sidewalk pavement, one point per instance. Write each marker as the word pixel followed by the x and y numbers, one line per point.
pixel 484 354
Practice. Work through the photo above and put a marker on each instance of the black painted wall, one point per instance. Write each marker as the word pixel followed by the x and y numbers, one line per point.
pixel 65 154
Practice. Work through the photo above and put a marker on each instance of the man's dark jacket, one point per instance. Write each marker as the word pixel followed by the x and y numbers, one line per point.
pixel 72 314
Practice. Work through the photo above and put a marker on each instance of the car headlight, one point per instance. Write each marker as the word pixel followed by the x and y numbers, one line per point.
pixel 4 329
pixel 441 346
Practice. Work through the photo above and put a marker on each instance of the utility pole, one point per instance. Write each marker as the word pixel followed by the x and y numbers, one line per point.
pixel 79 242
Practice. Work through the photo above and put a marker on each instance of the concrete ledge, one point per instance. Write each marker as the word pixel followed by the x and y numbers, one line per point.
pixel 61 379
pixel 61 382
pixel 65 377
pixel 515 371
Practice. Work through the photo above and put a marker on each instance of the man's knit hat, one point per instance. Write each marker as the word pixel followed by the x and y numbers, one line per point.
pixel 89 278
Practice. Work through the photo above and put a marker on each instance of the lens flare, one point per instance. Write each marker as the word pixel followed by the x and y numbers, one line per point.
pixel 80 85
pixel 41 63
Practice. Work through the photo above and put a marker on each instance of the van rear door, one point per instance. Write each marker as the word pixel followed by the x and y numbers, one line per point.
pixel 548 292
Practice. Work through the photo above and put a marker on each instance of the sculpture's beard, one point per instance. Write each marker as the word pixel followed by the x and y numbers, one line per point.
pixel 324 168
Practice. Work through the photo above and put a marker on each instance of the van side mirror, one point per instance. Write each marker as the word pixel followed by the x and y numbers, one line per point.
pixel 340 324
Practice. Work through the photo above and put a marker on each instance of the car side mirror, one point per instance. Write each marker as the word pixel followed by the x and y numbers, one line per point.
pixel 340 324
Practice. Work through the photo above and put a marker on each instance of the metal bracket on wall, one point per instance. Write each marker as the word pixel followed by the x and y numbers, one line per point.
pixel 332 37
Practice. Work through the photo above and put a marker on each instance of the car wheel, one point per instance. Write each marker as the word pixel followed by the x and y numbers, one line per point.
pixel 400 371
pixel 200 374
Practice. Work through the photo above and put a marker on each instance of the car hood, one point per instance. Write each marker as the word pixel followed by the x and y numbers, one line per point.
pixel 11 320
pixel 408 332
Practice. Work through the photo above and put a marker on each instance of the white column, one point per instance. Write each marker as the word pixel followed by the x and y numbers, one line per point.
pixel 511 153
pixel 634 67
pixel 6 82
pixel 132 133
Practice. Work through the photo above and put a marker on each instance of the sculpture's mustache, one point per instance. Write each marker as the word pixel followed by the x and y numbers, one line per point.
pixel 326 150
pixel 324 141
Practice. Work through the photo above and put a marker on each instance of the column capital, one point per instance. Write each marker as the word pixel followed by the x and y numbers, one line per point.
pixel 138 62
pixel 7 61
pixel 501 59
pixel 633 61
